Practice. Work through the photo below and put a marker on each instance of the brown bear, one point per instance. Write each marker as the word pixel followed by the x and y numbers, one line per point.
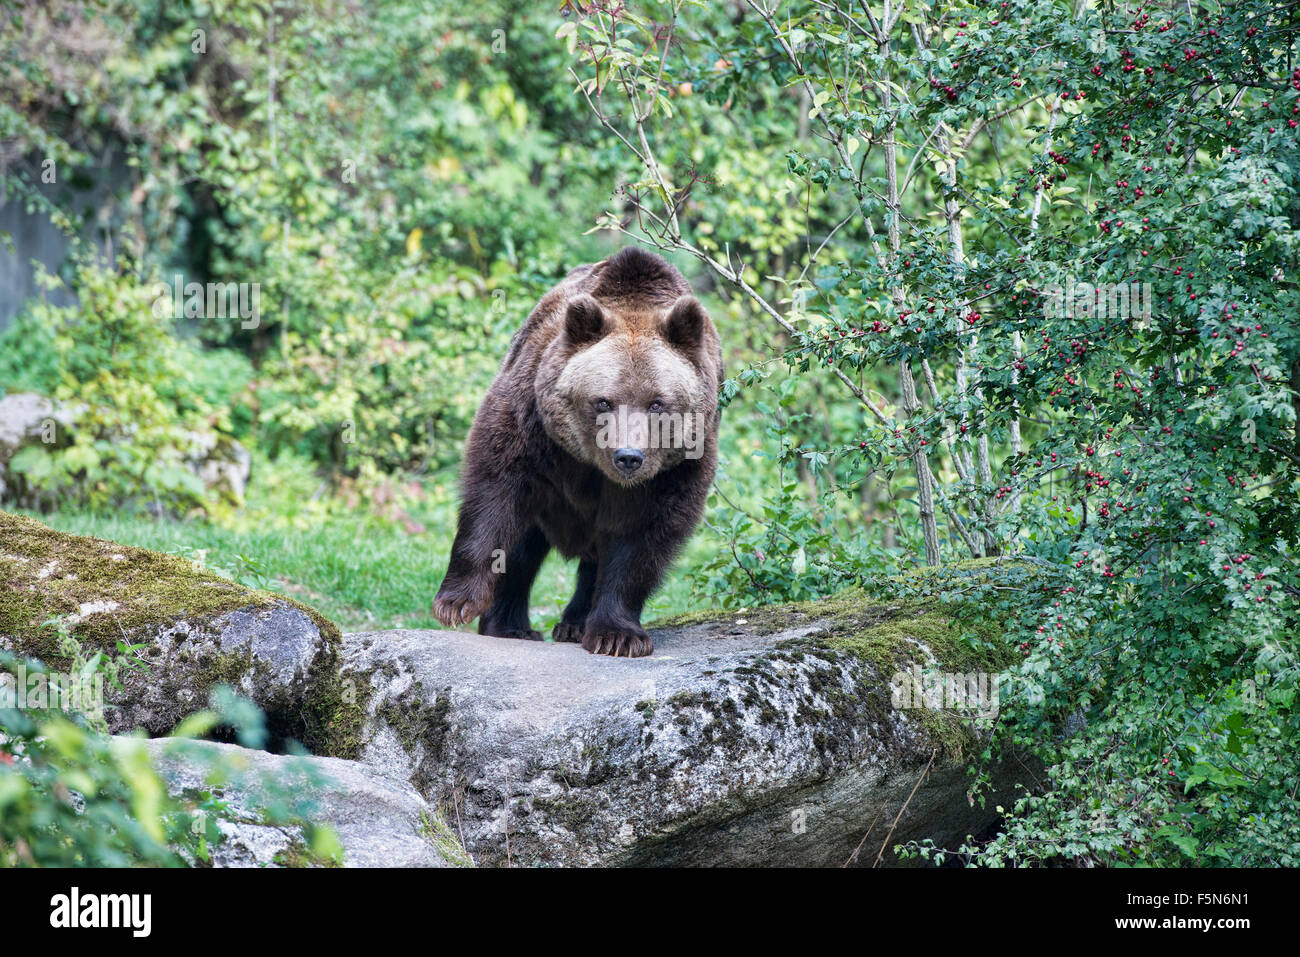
pixel 599 438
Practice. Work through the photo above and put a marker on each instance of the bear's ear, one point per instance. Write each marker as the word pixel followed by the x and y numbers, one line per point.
pixel 585 321
pixel 684 324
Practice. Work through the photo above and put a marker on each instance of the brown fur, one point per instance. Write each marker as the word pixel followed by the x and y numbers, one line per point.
pixel 626 330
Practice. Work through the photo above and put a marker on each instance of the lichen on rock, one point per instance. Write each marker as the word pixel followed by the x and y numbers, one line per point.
pixel 764 737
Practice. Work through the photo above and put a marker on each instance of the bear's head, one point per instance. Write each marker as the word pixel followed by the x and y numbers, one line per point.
pixel 630 386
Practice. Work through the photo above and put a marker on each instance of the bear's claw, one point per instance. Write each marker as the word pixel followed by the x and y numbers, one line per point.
pixel 618 642
pixel 567 631
pixel 459 603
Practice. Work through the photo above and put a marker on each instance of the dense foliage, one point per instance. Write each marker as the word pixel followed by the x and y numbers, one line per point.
pixel 73 796
pixel 1007 279
pixel 1140 444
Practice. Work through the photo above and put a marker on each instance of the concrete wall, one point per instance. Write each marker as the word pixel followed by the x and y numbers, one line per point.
pixel 95 199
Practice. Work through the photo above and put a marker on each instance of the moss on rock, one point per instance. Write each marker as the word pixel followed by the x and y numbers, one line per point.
pixel 107 592
pixel 928 626
pixel 104 588
pixel 435 829
pixel 421 726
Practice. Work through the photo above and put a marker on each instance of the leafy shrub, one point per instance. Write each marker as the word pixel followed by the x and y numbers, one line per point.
pixel 138 420
pixel 73 796
pixel 70 795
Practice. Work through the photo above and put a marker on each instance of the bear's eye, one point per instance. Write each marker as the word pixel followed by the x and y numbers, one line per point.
pixel 602 405
pixel 656 406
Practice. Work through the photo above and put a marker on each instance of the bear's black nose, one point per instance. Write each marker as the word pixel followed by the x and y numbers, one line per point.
pixel 628 461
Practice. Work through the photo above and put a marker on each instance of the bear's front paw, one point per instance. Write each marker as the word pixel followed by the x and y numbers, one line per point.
pixel 460 601
pixel 500 626
pixel 621 641
pixel 568 631
pixel 524 634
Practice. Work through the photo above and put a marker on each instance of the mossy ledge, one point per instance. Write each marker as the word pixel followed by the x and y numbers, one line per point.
pixel 926 628
pixel 106 592
pixel 962 636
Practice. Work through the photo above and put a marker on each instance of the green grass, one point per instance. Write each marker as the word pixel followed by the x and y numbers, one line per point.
pixel 361 574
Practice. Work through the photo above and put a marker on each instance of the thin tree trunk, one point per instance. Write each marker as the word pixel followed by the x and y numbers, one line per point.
pixel 907 384
pixel 1017 444
pixel 957 255
pixel 921 465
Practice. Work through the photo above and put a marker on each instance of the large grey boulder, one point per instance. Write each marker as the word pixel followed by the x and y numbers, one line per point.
pixel 379 821
pixel 763 739
pixel 194 629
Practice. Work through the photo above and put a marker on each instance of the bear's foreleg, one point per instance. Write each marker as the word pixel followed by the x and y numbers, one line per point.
pixel 629 570
pixel 631 564
pixel 487 529
pixel 508 616
pixel 574 620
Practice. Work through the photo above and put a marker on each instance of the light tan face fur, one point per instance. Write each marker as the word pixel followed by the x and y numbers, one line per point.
pixel 629 373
